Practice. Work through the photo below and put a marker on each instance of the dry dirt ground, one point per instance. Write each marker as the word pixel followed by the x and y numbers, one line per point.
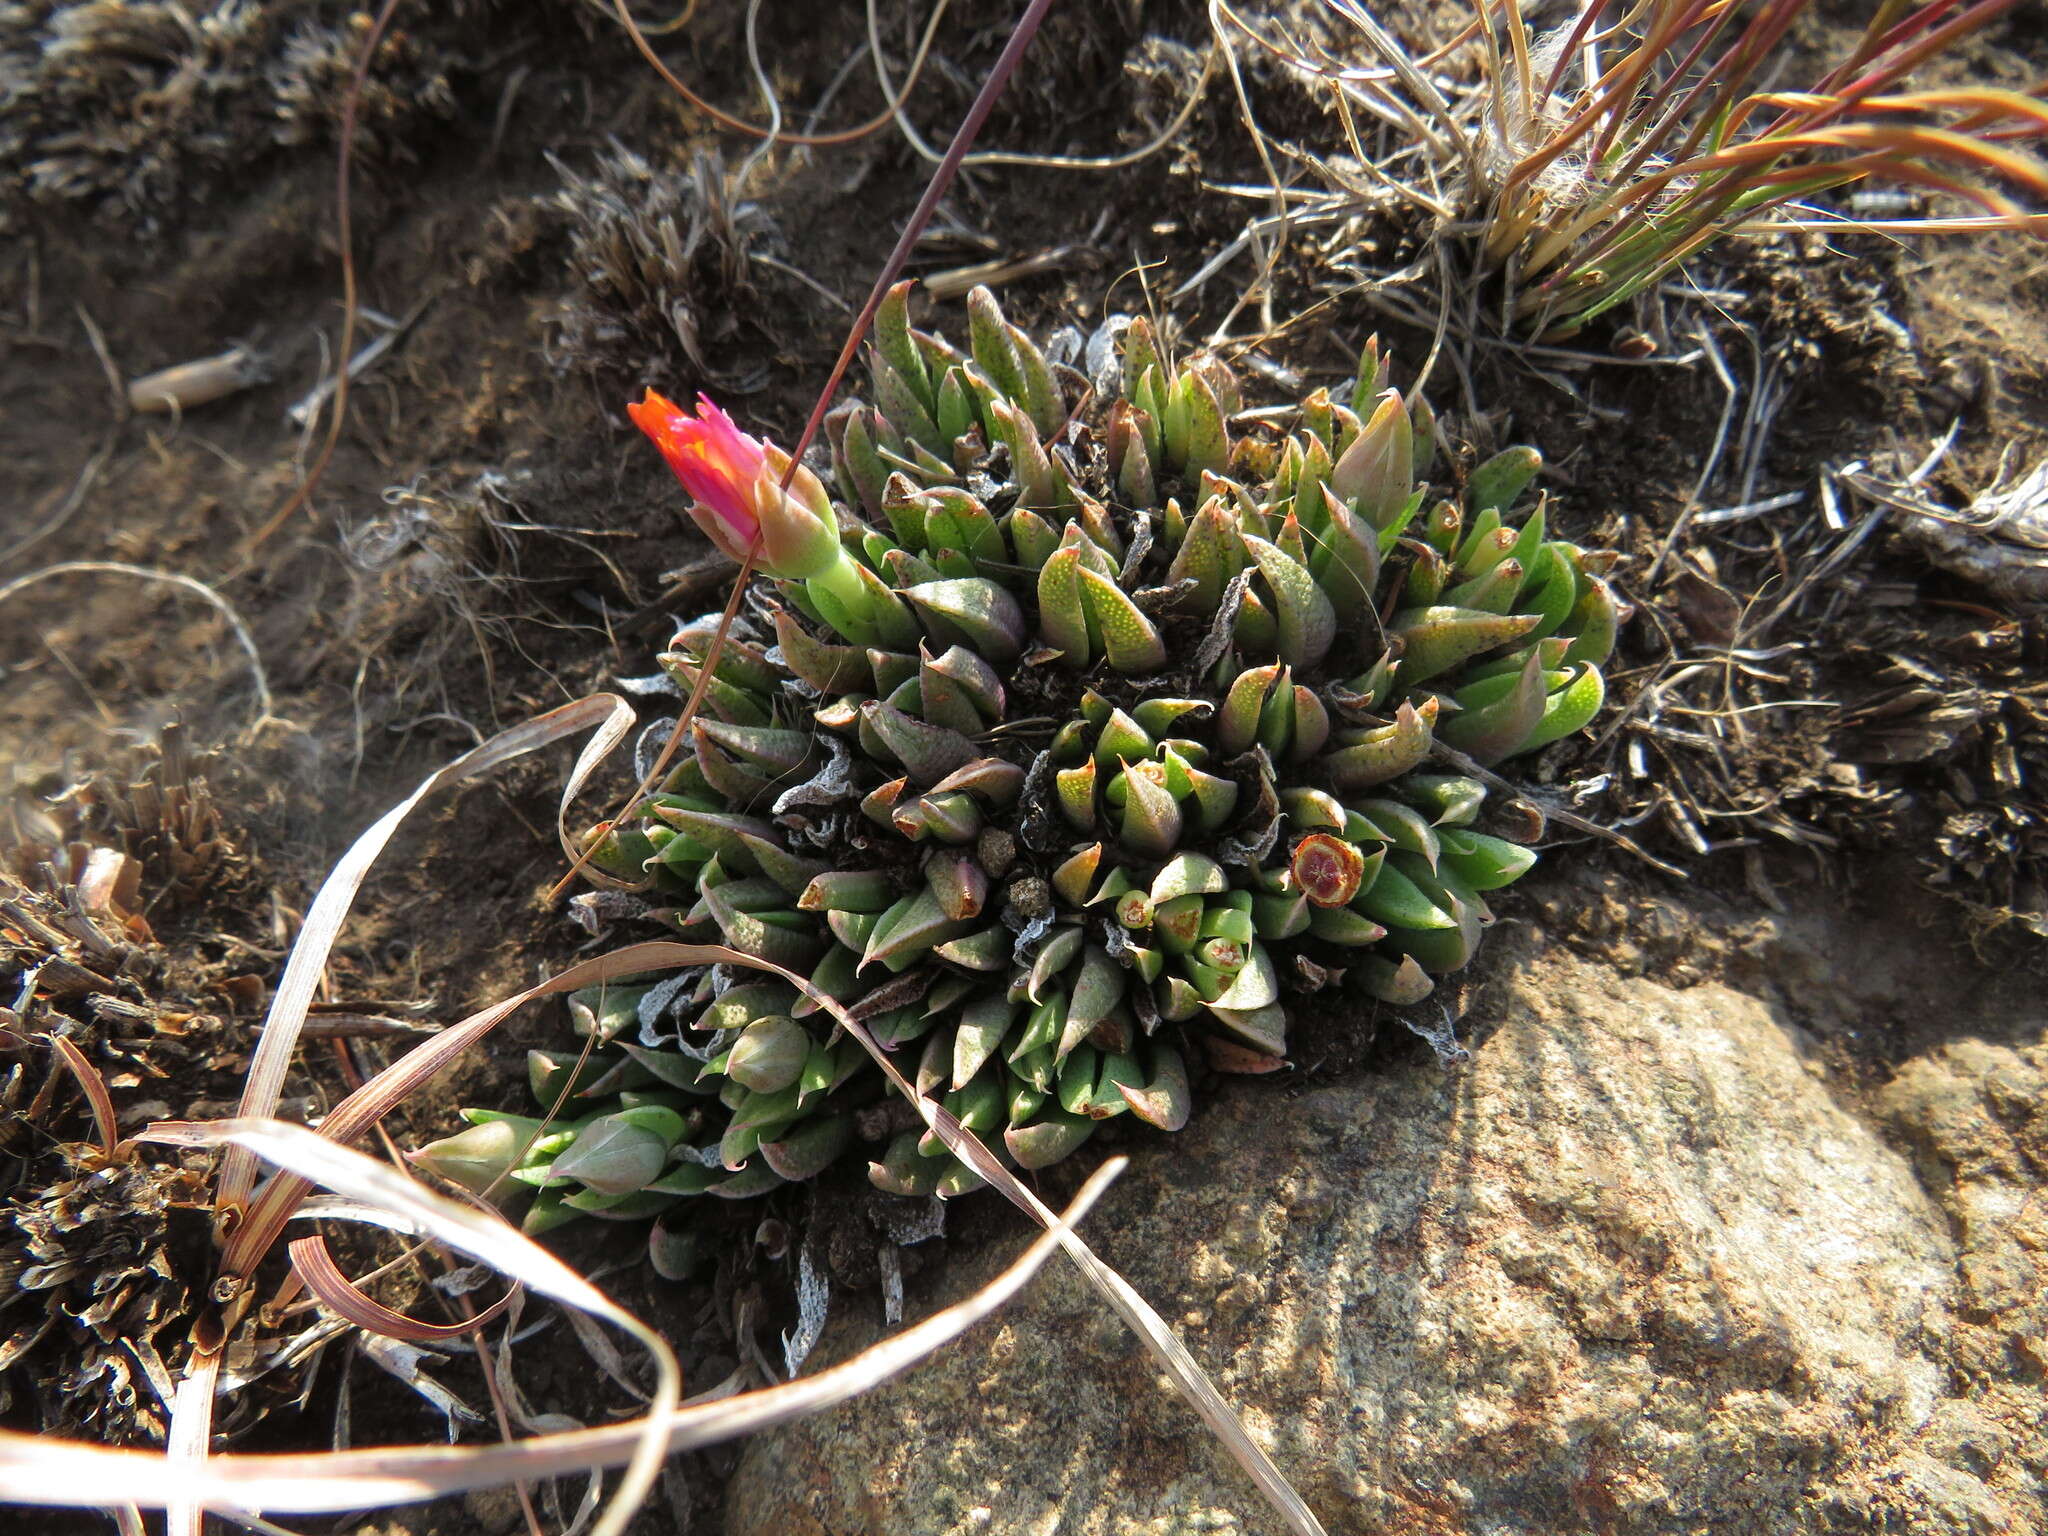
pixel 490 527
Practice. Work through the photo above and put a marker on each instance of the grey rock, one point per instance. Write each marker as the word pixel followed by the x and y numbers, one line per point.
pixel 1636 1269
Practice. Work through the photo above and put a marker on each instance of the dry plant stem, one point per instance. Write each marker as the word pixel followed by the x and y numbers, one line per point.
pixel 34 1470
pixel 304 494
pixel 70 503
pixel 314 1265
pixel 772 135
pixel 935 189
pixel 185 1444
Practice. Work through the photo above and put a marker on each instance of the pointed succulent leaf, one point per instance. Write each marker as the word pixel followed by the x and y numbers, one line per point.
pixel 1435 639
pixel 769 1054
pixel 1075 788
pixel 1054 1136
pixel 1502 728
pixel 1152 821
pixel 1494 591
pixel 1032 469
pixel 1376 473
pixel 1310 729
pixel 899 399
pixel 1254 986
pixel 1501 479
pixel 1129 459
pixel 791 871
pixel 1568 709
pixel 990 338
pixel 1054 956
pixel 909 929
pixel 896 345
pixel 1164 1100
pixel 987 950
pixel 1482 862
pixel 1594 622
pixel 1158 717
pixel 1119 737
pixel 902 1172
pixel 613 1156
pixel 973 610
pixel 957 521
pixel 980 1033
pixel 958 882
pixel 861 463
pixel 1237 723
pixel 480 1157
pixel 1033 538
pixel 752 934
pixel 847 890
pixel 810 1148
pixel 1210 554
pixel 1263 1029
pixel 1396 901
pixel 1403 984
pixel 1062 611
pixel 1402 826
pixel 1075 875
pixel 826 667
pixel 1041 396
pixel 928 753
pixel 1307 621
pixel 1098 988
pixel 1130 642
pixel 1208 436
pixel 1075 1089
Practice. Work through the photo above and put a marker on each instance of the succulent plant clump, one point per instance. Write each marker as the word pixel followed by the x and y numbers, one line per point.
pixel 1082 734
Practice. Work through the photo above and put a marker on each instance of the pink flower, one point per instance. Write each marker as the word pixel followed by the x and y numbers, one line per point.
pixel 735 486
pixel 717 463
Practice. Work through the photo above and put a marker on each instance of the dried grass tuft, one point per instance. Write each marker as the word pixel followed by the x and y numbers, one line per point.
pixel 661 264
pixel 136 109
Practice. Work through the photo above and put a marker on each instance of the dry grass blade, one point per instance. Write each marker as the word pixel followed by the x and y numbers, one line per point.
pixel 273 1205
pixel 318 1272
pixel 95 1087
pixel 312 1156
pixel 607 715
pixel 34 1470
pixel 1181 1367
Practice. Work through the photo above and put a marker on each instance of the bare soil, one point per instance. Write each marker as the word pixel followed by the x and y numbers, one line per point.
pixel 489 527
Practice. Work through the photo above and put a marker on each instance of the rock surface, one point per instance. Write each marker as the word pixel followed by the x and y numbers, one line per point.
pixel 1637 1268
